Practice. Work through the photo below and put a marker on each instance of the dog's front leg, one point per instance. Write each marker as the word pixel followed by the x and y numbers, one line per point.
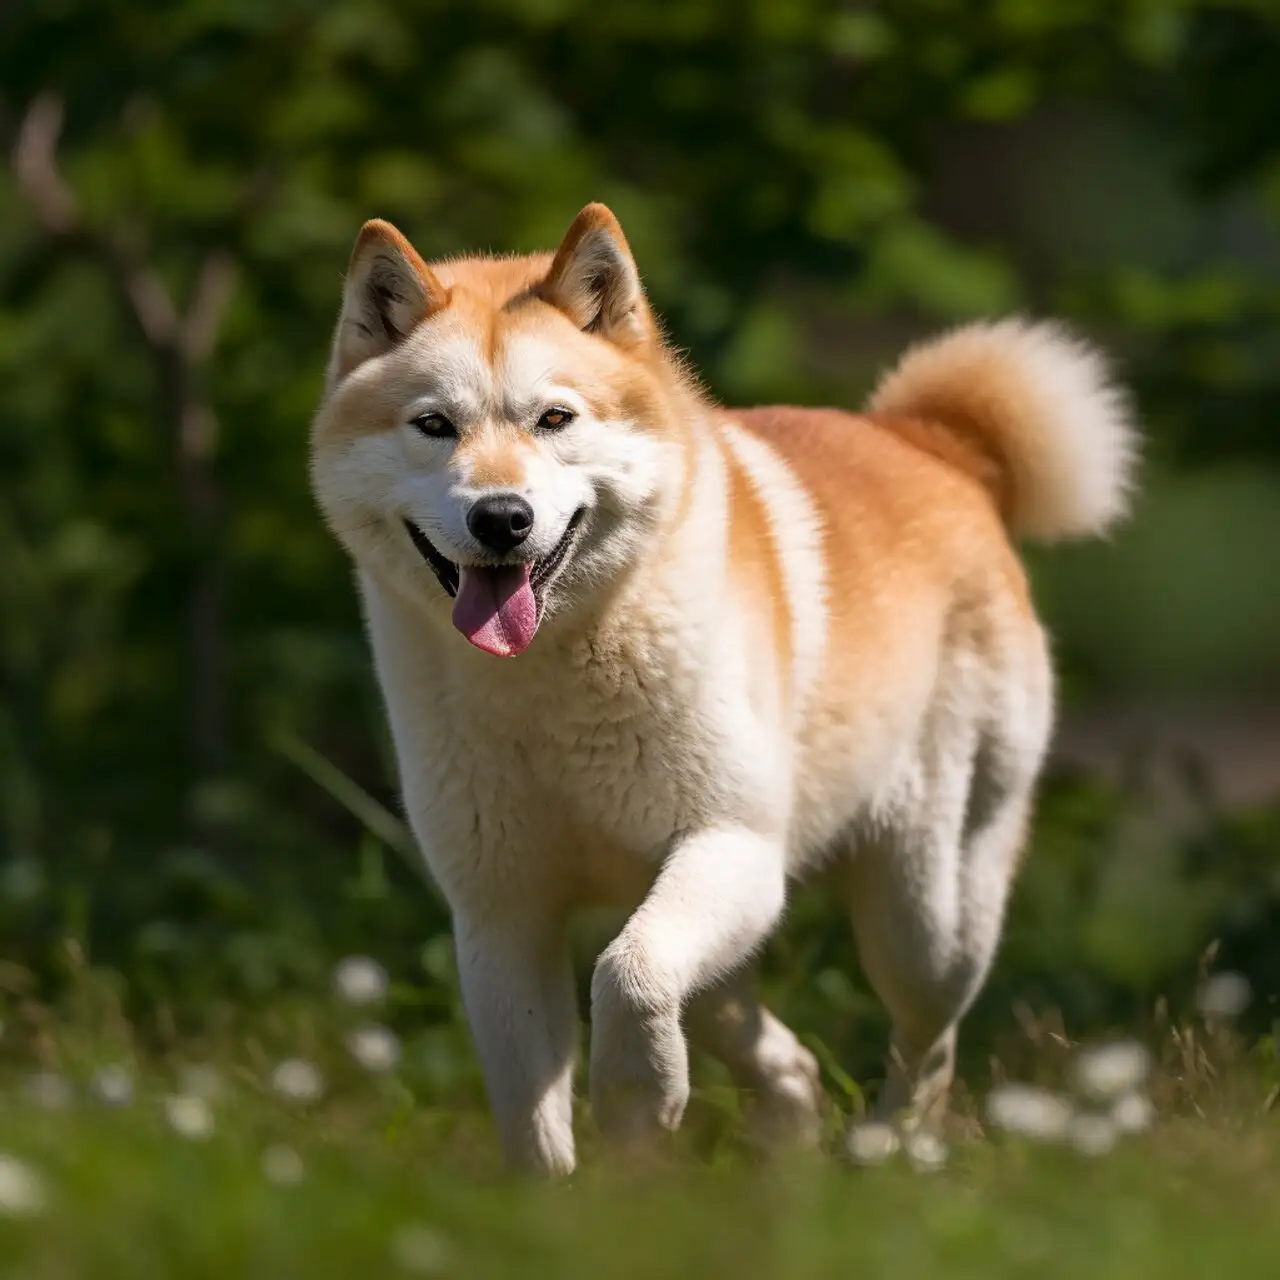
pixel 718 896
pixel 517 985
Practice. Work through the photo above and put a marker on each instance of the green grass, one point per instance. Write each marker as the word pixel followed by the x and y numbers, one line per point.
pixel 128 1198
pixel 394 1182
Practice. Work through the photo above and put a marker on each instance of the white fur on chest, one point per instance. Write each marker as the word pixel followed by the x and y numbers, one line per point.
pixel 608 741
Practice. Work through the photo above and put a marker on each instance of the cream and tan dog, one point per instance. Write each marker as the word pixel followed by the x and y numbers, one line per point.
pixel 748 645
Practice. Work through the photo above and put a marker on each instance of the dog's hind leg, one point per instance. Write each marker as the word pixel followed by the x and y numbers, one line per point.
pixel 763 1057
pixel 927 902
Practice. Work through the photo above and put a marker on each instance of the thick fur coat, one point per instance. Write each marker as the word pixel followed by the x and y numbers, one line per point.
pixel 641 650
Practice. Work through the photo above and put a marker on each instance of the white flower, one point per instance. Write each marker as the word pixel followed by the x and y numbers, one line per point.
pixel 200 1080
pixel 1029 1112
pixel 360 980
pixel 421 1249
pixel 926 1152
pixel 22 1191
pixel 375 1048
pixel 282 1165
pixel 1224 996
pixel 112 1086
pixel 189 1117
pixel 1134 1113
pixel 1109 1071
pixel 872 1143
pixel 1093 1135
pixel 50 1090
pixel 298 1080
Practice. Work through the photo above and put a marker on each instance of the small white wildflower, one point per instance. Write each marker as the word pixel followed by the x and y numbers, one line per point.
pixel 200 1080
pixel 22 1192
pixel 1029 1111
pixel 420 1249
pixel 1224 996
pixel 360 980
pixel 375 1048
pixel 298 1080
pixel 50 1090
pixel 1134 1113
pixel 926 1152
pixel 1093 1135
pixel 112 1086
pixel 1109 1071
pixel 872 1143
pixel 189 1117
pixel 282 1165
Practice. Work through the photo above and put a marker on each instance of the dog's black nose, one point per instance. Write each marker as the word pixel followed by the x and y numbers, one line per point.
pixel 501 522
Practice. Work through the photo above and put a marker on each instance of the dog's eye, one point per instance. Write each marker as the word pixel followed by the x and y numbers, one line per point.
pixel 555 418
pixel 432 424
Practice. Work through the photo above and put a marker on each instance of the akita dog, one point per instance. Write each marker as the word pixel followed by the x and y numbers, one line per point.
pixel 742 646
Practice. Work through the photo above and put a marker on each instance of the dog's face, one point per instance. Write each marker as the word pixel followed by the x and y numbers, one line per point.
pixel 496 435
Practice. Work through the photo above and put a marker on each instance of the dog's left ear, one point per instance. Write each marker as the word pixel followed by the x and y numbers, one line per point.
pixel 594 280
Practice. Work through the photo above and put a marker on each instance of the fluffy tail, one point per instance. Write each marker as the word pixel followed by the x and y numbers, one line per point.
pixel 1041 403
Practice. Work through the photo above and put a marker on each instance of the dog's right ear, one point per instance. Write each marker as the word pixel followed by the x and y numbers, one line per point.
pixel 388 290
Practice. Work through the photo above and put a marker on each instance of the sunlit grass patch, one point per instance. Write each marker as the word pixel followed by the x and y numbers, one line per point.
pixel 305 1145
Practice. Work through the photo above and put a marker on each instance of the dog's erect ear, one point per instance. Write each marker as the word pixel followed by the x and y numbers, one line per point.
pixel 388 290
pixel 594 280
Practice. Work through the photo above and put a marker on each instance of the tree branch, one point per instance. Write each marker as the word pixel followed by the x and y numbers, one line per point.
pixel 179 342
pixel 35 164
pixel 215 284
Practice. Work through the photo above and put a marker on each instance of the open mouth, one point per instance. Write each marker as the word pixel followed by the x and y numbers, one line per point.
pixel 497 607
pixel 444 569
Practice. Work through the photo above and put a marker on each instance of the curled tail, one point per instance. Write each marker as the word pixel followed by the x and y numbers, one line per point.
pixel 1037 401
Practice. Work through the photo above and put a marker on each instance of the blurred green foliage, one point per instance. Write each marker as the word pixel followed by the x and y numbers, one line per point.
pixel 807 185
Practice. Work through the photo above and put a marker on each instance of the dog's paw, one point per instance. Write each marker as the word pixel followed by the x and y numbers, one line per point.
pixel 786 1108
pixel 639 1073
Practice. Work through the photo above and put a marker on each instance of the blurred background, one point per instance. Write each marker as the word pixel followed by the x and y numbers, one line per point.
pixel 195 786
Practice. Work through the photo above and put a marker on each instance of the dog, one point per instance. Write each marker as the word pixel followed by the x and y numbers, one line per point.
pixel 641 650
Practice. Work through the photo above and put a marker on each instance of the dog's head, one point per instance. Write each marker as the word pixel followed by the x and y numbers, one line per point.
pixel 496 434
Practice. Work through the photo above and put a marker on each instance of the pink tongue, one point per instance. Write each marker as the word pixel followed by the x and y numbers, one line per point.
pixel 495 609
